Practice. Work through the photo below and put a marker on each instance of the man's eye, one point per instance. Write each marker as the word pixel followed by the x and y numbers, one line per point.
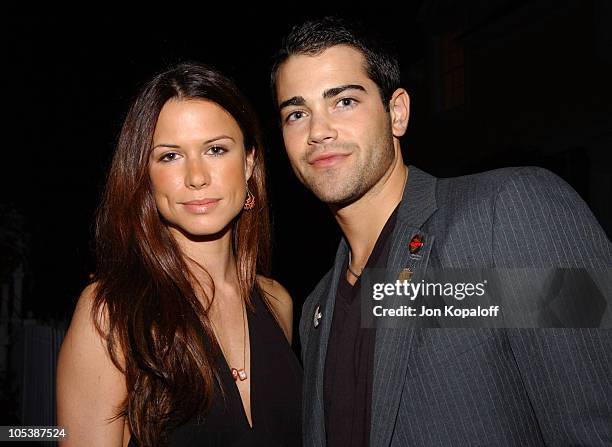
pixel 216 151
pixel 346 102
pixel 294 116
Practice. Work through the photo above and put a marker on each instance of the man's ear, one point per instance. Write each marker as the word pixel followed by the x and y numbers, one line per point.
pixel 399 107
pixel 249 163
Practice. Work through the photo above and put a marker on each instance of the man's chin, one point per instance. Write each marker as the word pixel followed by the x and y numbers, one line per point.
pixel 337 199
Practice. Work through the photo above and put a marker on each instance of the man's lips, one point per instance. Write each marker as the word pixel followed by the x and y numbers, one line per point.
pixel 327 159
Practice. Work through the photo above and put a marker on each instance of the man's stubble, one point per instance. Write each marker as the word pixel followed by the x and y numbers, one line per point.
pixel 346 184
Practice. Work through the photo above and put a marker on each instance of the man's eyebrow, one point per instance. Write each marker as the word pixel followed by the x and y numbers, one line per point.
pixel 330 93
pixel 295 101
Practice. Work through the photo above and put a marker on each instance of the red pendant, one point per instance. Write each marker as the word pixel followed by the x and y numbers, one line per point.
pixel 415 244
pixel 238 374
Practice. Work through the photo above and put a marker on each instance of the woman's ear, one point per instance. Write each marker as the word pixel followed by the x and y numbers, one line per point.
pixel 399 107
pixel 249 163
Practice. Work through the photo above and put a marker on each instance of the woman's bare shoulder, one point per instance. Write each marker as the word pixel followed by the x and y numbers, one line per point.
pixel 280 299
pixel 83 312
pixel 90 388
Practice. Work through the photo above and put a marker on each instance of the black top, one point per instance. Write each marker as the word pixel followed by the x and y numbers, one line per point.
pixel 276 389
pixel 350 358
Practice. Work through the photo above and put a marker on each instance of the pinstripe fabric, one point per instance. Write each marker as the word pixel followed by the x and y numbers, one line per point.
pixel 480 387
pixel 314 352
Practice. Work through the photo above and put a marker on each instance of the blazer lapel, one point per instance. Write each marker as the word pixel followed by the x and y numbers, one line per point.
pixel 316 351
pixel 392 345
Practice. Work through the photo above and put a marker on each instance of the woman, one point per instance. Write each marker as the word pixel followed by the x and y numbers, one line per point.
pixel 179 341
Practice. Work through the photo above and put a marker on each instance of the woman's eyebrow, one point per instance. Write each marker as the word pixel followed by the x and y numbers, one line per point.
pixel 176 146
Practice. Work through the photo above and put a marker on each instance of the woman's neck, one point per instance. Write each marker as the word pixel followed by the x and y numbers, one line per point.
pixel 213 253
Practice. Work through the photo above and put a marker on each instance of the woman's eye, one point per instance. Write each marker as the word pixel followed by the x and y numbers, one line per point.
pixel 169 156
pixel 217 150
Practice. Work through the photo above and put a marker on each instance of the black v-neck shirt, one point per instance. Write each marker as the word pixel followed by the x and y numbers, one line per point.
pixel 276 395
pixel 350 357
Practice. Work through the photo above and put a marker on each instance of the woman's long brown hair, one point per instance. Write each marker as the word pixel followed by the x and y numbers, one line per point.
pixel 157 331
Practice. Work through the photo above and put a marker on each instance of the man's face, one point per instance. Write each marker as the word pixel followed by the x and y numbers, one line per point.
pixel 336 130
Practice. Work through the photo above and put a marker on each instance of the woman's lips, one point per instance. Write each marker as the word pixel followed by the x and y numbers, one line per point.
pixel 201 206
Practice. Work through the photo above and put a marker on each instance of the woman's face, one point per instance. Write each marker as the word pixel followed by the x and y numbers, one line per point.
pixel 198 166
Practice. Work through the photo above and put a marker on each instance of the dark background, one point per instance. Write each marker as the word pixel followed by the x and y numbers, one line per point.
pixel 492 84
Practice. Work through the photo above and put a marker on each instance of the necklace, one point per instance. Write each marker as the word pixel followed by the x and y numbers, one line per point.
pixel 237 373
pixel 349 267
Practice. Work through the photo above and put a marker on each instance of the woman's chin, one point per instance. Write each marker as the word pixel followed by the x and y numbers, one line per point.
pixel 210 231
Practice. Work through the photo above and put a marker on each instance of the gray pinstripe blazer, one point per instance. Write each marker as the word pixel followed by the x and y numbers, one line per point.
pixel 479 387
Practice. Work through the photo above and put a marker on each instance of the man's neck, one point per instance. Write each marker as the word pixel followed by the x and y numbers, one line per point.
pixel 363 220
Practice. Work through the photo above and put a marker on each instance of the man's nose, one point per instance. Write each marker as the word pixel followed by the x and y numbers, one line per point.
pixel 197 175
pixel 321 129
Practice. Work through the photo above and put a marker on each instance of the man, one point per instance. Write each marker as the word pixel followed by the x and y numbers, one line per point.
pixel 342 114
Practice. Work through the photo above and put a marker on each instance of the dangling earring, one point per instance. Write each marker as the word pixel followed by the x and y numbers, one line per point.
pixel 249 203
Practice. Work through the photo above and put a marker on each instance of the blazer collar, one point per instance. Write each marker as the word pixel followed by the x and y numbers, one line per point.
pixel 316 352
pixel 419 198
pixel 417 205
pixel 392 345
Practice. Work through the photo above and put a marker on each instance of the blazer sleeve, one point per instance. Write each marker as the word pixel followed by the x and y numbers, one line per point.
pixel 541 222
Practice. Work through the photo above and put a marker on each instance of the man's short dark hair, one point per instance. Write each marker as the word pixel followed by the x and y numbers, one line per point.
pixel 313 37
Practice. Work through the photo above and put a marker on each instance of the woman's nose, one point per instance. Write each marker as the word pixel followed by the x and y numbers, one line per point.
pixel 197 175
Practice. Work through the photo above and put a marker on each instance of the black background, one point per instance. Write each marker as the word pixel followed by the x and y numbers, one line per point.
pixel 536 93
